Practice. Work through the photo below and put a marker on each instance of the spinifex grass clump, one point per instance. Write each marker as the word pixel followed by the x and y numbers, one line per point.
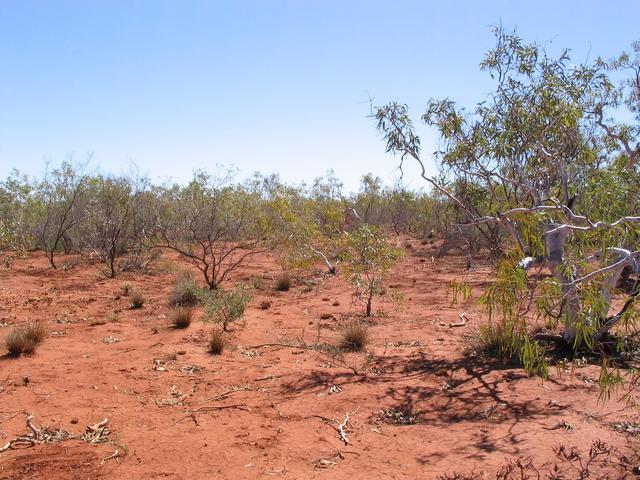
pixel 136 299
pixel 354 337
pixel 127 288
pixel 217 342
pixel 224 307
pixel 24 339
pixel 283 283
pixel 181 317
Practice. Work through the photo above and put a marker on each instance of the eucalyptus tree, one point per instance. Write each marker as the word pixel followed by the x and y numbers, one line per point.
pixel 543 160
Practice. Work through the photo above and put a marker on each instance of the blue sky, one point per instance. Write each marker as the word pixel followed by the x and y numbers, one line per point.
pixel 273 86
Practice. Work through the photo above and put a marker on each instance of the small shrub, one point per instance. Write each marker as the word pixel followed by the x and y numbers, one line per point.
pixel 217 342
pixel 185 291
pixel 136 299
pixel 283 283
pixel 509 340
pixel 325 316
pixel 181 317
pixel 224 307
pixel 24 339
pixel 355 336
pixel 257 283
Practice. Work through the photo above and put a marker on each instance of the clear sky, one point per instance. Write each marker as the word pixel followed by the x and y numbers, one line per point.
pixel 275 86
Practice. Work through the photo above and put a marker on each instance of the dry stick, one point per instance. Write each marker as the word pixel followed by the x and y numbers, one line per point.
pixel 223 395
pixel 462 323
pixel 342 426
pixel 115 455
pixel 284 345
pixel 191 413
pixel 341 430
pixel 32 427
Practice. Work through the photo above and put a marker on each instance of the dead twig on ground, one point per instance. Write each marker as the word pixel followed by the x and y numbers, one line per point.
pixel 115 455
pixel 97 433
pixel 342 427
pixel 210 408
pixel 463 321
pixel 225 394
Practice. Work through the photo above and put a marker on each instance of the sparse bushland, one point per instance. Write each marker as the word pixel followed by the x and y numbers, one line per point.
pixel 547 173
pixel 184 292
pixel 24 339
pixel 124 221
pixel 223 307
pixel 181 317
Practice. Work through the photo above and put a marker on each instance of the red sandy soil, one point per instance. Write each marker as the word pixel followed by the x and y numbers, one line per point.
pixel 282 415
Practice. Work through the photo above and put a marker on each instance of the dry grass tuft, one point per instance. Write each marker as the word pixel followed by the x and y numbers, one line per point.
pixel 184 292
pixel 136 299
pixel 217 342
pixel 127 288
pixel 354 337
pixel 181 317
pixel 24 339
pixel 283 283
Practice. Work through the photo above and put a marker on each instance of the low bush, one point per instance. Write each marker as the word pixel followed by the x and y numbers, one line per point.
pixel 224 307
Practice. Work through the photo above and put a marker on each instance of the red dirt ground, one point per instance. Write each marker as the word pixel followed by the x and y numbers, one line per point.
pixel 280 420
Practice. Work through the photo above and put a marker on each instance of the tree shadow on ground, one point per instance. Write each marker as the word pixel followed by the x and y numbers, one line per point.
pixel 441 393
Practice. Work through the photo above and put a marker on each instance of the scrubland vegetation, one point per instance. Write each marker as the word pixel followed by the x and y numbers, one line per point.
pixel 539 182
